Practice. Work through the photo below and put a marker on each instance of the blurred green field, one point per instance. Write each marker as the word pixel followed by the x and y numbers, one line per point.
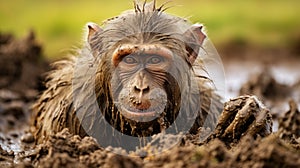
pixel 59 24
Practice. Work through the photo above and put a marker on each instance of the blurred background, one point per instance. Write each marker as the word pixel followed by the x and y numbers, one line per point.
pixel 59 24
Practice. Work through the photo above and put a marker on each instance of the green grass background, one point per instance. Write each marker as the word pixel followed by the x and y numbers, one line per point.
pixel 59 24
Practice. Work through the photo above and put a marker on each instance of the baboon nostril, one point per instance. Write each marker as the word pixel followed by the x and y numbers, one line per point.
pixel 137 89
pixel 146 90
pixel 141 89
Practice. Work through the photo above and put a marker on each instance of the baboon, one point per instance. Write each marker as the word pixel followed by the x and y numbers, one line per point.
pixel 136 73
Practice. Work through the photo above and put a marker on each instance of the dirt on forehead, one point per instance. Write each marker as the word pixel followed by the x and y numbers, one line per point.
pixel 22 66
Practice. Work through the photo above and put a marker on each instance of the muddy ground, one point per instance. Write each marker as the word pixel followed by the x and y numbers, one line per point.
pixel 273 75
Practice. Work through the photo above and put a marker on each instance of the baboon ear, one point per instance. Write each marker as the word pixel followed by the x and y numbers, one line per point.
pixel 194 38
pixel 93 29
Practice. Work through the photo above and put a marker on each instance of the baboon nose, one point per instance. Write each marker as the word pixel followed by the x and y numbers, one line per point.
pixel 141 89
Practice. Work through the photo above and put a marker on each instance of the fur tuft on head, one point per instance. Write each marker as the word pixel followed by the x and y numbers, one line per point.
pixel 144 6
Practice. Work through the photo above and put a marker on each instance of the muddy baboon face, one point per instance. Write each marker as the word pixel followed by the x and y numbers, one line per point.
pixel 145 61
pixel 139 80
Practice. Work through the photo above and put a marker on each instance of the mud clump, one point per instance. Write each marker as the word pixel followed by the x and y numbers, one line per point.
pixel 21 69
pixel 244 115
pixel 21 63
pixel 289 126
pixel 6 158
pixel 273 93
pixel 66 150
pixel 265 87
pixel 267 152
pixel 213 154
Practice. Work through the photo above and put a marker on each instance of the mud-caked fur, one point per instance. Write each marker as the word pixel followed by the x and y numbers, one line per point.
pixel 80 82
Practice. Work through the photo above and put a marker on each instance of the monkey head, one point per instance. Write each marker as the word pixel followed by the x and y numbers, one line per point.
pixel 144 77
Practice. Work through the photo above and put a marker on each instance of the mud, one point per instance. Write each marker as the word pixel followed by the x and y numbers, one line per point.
pixel 274 94
pixel 21 69
pixel 21 66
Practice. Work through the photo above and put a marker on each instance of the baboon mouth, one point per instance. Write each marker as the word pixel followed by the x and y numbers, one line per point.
pixel 141 115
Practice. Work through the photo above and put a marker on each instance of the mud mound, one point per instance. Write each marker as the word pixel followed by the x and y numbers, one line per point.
pixel 21 63
pixel 289 126
pixel 267 152
pixel 279 149
pixel 21 68
pixel 265 87
pixel 273 93
pixel 66 150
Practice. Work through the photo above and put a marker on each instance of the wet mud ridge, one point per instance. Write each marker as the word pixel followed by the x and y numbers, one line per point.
pixel 20 83
pixel 21 66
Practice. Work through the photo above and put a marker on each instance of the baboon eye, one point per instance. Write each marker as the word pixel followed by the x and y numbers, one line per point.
pixel 155 60
pixel 129 60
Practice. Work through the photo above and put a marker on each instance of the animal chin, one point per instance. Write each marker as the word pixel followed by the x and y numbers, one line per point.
pixel 138 115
